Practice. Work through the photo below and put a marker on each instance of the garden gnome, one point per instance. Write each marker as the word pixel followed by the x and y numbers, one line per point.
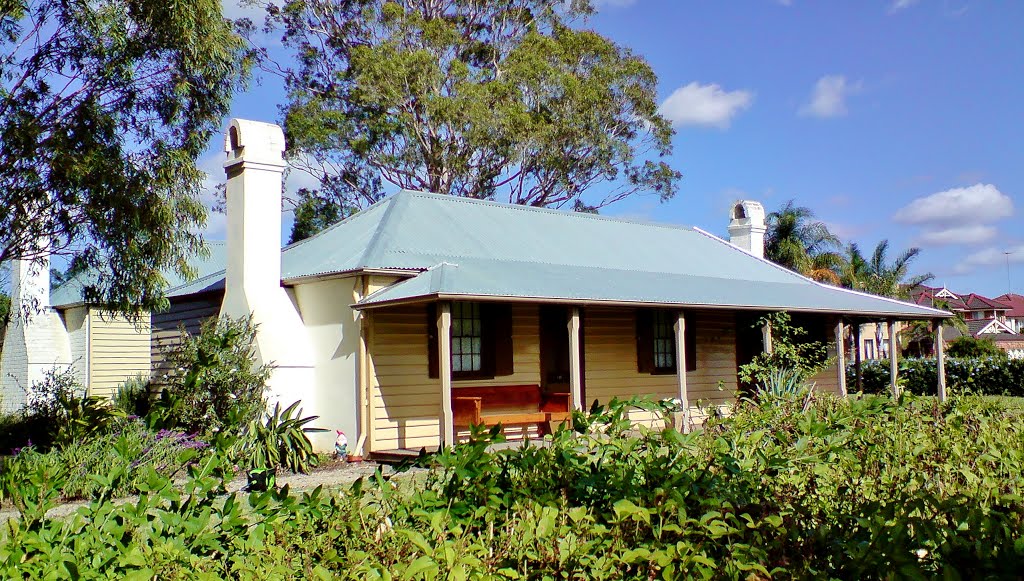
pixel 341 446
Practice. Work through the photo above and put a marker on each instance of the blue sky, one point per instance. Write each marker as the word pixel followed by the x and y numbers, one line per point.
pixel 896 119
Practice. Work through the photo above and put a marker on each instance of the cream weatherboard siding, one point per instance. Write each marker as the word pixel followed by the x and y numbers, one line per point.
pixel 406 402
pixel 118 349
pixel 611 365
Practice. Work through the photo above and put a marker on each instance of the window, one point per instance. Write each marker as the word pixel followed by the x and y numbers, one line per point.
pixel 656 341
pixel 467 339
pixel 664 342
pixel 869 349
pixel 481 340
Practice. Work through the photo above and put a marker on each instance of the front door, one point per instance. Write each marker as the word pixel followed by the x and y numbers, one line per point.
pixel 554 349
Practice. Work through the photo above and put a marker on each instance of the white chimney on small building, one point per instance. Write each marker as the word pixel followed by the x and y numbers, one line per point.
pixel 254 167
pixel 747 227
pixel 36 340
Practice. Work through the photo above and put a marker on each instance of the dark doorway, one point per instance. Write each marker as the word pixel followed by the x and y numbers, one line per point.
pixel 554 348
pixel 749 344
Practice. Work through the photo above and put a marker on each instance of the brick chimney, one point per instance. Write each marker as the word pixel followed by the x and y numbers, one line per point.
pixel 747 227
pixel 254 167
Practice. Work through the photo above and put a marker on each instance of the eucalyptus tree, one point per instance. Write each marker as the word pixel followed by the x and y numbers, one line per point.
pixel 105 106
pixel 493 100
pixel 800 243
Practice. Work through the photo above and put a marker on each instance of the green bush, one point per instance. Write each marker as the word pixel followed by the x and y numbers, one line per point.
pixel 973 347
pixel 215 386
pixel 865 488
pixel 133 396
pixel 792 350
pixel 981 376
pixel 120 456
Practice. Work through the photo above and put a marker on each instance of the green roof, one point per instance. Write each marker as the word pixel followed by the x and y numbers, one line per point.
pixel 208 269
pixel 455 247
pixel 473 248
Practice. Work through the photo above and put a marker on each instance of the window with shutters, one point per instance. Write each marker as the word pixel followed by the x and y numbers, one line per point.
pixel 656 341
pixel 467 339
pixel 481 340
pixel 664 336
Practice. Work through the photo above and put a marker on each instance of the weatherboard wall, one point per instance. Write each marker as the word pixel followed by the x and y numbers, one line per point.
pixel 186 313
pixel 610 356
pixel 118 349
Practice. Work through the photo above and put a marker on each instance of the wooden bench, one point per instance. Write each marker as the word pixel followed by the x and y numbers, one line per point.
pixel 508 405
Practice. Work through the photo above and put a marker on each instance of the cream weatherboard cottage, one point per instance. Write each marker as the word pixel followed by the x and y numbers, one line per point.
pixel 403 322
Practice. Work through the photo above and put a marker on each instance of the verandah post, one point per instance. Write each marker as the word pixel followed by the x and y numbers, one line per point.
pixel 857 357
pixel 893 356
pixel 841 356
pixel 444 344
pixel 575 374
pixel 940 360
pixel 683 396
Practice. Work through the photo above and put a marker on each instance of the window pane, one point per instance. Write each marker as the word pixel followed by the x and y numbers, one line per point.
pixel 477 360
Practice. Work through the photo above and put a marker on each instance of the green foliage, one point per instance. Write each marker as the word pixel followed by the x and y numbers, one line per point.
pixel 865 488
pixel 279 440
pixel 791 351
pixel 215 385
pixel 112 464
pixel 877 275
pixel 796 240
pixel 479 99
pixel 968 347
pixel 133 396
pixel 978 376
pixel 313 214
pixel 59 413
pixel 105 107
pixel 782 385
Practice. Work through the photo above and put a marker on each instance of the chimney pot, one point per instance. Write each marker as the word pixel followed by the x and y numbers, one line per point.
pixel 747 226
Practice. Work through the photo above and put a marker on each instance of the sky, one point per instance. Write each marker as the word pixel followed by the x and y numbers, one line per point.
pixel 890 119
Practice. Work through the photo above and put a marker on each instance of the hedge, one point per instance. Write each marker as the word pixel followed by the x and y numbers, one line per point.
pixel 979 376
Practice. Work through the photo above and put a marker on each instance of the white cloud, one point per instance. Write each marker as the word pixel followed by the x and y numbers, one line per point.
pixel 707 105
pixel 828 99
pixel 990 257
pixel 977 204
pixel 971 234
pixel 898 5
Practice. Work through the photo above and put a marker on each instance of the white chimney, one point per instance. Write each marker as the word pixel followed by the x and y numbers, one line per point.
pixel 36 339
pixel 254 167
pixel 747 227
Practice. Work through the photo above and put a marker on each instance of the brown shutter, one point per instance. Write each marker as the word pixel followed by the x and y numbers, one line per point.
pixel 690 336
pixel 498 335
pixel 433 357
pixel 644 341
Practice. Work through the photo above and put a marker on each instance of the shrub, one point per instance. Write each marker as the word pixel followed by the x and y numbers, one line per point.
pixel 791 350
pixel 122 457
pixel 862 488
pixel 973 347
pixel 981 376
pixel 133 396
pixel 215 385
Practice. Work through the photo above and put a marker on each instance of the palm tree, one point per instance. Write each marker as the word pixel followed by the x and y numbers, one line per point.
pixel 879 276
pixel 798 242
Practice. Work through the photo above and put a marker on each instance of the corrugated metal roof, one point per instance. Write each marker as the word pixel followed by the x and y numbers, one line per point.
pixel 70 293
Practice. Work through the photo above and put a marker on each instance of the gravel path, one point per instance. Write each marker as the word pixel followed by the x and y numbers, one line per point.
pixel 331 475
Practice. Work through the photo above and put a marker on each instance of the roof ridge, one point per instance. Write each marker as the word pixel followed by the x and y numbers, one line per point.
pixel 819 284
pixel 371 250
pixel 359 214
pixel 543 210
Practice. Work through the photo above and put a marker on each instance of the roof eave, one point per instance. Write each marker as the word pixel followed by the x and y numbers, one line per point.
pixel 431 297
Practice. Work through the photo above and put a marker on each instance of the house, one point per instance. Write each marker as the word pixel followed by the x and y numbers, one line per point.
pixel 1014 318
pixel 406 321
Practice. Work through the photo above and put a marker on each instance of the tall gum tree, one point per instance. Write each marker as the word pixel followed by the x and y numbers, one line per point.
pixel 492 100
pixel 105 105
